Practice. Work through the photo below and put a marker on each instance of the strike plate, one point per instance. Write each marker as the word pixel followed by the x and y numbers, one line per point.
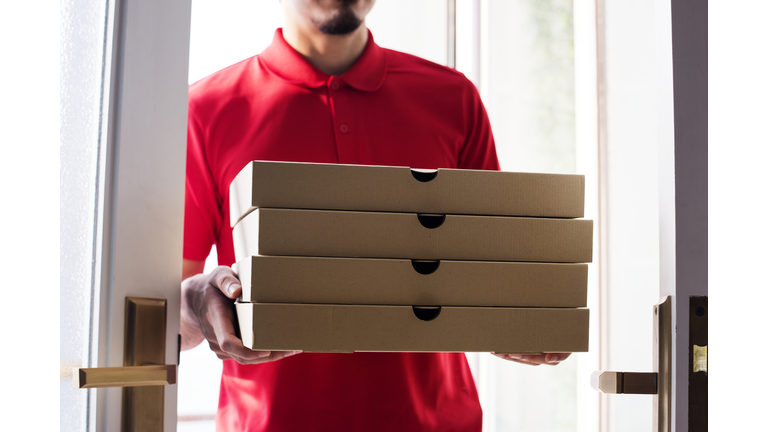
pixel 698 387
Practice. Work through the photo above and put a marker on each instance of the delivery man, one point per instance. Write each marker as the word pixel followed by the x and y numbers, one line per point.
pixel 323 91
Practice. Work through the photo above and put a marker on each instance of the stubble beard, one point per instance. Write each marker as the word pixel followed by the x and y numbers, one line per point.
pixel 343 22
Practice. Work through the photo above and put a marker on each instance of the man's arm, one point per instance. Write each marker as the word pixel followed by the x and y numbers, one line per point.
pixel 207 313
pixel 191 268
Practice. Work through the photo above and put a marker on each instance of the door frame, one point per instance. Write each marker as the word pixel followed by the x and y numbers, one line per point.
pixel 682 65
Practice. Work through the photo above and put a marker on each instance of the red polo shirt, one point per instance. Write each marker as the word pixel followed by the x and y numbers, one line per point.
pixel 390 108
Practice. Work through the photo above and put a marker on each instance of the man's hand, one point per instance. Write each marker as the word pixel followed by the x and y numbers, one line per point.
pixel 207 312
pixel 552 359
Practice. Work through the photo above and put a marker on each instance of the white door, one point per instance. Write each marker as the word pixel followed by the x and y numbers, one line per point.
pixel 653 164
pixel 125 114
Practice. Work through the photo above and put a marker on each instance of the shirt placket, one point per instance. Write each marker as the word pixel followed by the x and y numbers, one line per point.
pixel 343 127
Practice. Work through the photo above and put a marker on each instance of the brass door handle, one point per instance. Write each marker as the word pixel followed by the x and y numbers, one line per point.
pixel 144 372
pixel 126 376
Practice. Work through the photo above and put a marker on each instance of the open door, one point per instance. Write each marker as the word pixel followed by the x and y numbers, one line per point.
pixel 137 207
pixel 678 382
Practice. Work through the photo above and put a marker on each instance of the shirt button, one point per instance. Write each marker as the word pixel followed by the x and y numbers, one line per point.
pixel 335 85
pixel 344 128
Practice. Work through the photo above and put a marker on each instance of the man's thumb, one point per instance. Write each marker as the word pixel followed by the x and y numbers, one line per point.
pixel 232 289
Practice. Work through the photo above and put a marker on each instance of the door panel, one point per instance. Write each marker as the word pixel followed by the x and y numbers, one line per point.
pixel 683 94
pixel 655 89
pixel 143 181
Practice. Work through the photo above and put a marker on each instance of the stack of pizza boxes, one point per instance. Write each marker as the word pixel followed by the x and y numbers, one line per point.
pixel 345 258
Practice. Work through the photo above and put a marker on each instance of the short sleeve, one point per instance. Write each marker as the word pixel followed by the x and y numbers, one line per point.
pixel 202 205
pixel 479 149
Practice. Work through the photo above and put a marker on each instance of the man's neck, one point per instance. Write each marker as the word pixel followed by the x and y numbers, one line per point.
pixel 331 54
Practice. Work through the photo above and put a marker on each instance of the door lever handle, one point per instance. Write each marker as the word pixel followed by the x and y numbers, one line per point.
pixel 126 376
pixel 659 383
pixel 627 382
pixel 144 372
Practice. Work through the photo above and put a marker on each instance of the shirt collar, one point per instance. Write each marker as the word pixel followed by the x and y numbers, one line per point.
pixel 367 74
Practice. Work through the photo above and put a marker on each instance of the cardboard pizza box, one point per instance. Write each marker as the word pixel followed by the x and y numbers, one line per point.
pixel 347 234
pixel 401 189
pixel 281 279
pixel 350 328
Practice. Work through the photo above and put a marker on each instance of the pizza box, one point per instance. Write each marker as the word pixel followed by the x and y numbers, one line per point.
pixel 348 234
pixel 350 328
pixel 401 189
pixel 282 279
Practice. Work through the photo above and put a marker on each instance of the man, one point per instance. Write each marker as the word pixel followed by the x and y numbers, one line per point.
pixel 324 92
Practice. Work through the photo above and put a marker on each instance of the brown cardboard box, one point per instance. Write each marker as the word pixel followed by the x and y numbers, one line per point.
pixel 345 328
pixel 277 279
pixel 283 232
pixel 400 189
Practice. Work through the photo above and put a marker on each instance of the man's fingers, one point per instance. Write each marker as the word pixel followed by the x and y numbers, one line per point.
pixel 556 358
pixel 551 359
pixel 262 356
pixel 524 359
pixel 225 280
pixel 218 327
pixel 223 328
pixel 217 321
pixel 268 356
pixel 277 355
pixel 235 349
pixel 232 346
